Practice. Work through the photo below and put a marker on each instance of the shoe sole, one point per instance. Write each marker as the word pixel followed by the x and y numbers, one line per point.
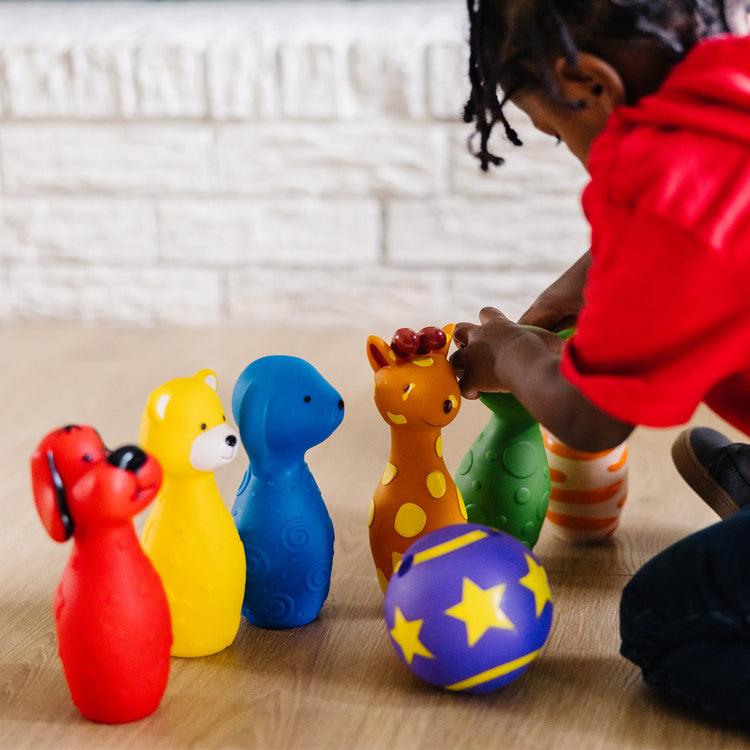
pixel 698 478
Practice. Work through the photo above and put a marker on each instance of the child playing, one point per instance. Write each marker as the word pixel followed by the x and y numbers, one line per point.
pixel 654 98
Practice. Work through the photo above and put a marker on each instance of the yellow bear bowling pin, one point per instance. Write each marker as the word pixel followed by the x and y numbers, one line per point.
pixel 190 536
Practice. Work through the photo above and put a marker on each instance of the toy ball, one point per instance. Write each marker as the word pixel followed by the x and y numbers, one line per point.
pixel 468 608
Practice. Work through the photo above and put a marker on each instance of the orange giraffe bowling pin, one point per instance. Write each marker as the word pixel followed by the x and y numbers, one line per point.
pixel 417 395
pixel 588 490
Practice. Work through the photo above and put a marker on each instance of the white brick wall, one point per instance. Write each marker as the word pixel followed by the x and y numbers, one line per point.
pixel 268 160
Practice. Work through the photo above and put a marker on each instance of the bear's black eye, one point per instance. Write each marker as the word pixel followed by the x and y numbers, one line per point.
pixel 308 399
pixel 203 426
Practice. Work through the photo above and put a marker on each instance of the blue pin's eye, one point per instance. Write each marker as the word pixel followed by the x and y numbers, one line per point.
pixel 308 399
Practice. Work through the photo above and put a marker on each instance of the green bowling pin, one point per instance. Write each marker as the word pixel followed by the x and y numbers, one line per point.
pixel 504 476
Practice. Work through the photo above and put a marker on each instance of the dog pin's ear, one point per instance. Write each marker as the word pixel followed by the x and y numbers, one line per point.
pixel 61 497
pixel 49 495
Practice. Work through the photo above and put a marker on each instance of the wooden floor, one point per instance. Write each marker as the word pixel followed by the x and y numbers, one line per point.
pixel 335 683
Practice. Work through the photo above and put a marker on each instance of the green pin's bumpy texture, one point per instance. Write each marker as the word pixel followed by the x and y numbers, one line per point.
pixel 504 476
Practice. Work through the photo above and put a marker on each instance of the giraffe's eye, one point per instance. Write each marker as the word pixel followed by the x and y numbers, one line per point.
pixel 203 426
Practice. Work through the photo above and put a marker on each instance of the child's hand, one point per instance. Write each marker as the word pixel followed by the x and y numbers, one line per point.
pixel 485 353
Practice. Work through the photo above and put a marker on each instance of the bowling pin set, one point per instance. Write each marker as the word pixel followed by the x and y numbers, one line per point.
pixel 124 606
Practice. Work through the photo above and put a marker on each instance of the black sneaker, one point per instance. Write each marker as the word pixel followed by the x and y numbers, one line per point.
pixel 716 468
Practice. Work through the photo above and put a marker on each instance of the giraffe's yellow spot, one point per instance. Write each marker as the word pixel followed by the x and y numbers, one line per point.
pixel 407 391
pixel 396 418
pixel 424 361
pixel 453 400
pixel 439 446
pixel 396 560
pixel 462 504
pixel 436 484
pixel 410 520
pixel 389 474
pixel 371 514
pixel 391 355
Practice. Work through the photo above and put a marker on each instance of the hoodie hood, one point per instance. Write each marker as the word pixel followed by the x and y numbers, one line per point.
pixel 683 153
pixel 708 92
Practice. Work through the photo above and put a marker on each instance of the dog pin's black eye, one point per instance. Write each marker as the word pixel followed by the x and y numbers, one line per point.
pixel 308 399
pixel 203 426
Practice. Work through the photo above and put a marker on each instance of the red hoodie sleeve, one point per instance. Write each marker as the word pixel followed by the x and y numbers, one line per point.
pixel 666 320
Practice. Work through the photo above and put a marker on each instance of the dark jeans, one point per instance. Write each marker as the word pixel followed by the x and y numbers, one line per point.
pixel 685 619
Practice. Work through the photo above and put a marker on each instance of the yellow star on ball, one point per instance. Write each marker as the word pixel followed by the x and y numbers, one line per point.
pixel 406 634
pixel 480 610
pixel 536 581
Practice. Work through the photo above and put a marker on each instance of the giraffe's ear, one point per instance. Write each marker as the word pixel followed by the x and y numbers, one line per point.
pixel 379 354
pixel 448 331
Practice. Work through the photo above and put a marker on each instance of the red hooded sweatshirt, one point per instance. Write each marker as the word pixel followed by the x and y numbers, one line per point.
pixel 666 320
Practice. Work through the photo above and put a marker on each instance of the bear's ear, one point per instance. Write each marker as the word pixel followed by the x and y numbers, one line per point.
pixel 379 354
pixel 161 405
pixel 209 377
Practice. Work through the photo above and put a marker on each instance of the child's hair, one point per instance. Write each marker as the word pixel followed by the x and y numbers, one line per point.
pixel 512 42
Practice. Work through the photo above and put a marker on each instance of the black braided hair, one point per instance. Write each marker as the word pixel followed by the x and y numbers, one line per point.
pixel 511 42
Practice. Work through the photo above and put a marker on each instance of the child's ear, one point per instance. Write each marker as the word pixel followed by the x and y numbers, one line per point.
pixel 593 81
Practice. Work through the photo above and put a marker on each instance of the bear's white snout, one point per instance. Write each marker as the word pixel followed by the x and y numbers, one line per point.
pixel 214 448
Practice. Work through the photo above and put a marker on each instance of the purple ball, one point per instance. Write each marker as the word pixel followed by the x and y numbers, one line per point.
pixel 468 608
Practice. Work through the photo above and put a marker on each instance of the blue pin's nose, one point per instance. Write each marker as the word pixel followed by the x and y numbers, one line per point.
pixel 341 404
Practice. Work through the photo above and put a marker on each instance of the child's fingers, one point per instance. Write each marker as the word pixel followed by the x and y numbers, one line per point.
pixel 490 314
pixel 461 334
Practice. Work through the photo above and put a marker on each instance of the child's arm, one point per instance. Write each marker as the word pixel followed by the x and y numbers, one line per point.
pixel 557 307
pixel 500 355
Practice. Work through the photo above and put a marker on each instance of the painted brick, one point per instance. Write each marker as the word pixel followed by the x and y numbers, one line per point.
pixel 38 80
pixel 381 299
pixel 483 232
pixel 124 296
pixel 242 80
pixel 380 158
pixel 447 79
pixel 116 158
pixel 385 79
pixel 79 229
pixel 240 233
pixel 103 80
pixel 310 80
pixel 510 291
pixel 170 80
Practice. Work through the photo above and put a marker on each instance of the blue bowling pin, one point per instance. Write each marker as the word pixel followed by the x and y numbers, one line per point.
pixel 283 407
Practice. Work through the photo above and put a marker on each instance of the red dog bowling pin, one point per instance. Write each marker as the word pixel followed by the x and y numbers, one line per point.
pixel 113 628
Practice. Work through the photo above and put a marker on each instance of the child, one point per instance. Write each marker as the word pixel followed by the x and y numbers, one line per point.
pixel 660 116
